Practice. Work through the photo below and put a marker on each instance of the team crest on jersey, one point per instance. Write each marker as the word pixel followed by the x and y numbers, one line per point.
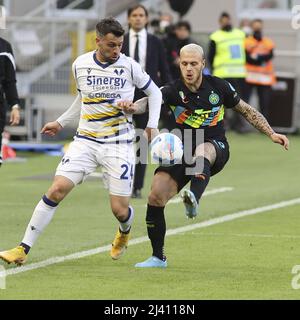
pixel 214 98
pixel 183 97
pixel 89 70
pixel 119 72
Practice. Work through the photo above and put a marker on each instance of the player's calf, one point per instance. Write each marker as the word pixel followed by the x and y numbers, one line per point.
pixel 120 243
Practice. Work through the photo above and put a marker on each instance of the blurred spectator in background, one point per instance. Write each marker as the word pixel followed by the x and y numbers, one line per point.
pixel 245 25
pixel 149 51
pixel 259 67
pixel 227 58
pixel 180 37
pixel 162 26
pixel 8 89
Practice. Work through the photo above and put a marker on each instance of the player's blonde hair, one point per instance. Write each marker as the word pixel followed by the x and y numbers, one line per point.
pixel 192 47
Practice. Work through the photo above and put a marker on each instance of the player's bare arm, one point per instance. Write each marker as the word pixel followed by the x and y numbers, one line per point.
pixel 138 107
pixel 259 122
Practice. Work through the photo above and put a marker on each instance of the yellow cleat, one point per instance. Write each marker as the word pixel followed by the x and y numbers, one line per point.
pixel 119 245
pixel 16 255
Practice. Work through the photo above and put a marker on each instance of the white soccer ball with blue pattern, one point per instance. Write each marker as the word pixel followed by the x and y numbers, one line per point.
pixel 166 149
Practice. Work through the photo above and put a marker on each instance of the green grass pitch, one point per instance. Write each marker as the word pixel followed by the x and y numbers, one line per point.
pixel 247 258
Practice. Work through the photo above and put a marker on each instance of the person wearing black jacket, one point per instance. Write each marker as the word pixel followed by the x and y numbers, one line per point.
pixel 180 37
pixel 8 89
pixel 149 51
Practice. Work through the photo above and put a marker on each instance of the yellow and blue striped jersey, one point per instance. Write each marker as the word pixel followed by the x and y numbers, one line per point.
pixel 101 87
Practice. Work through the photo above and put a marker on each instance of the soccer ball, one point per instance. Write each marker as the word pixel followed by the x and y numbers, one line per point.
pixel 166 149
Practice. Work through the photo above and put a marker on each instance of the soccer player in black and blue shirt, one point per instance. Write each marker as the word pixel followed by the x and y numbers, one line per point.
pixel 198 102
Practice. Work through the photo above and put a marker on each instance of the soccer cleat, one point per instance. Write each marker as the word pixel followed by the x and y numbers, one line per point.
pixel 119 245
pixel 16 255
pixel 152 262
pixel 191 205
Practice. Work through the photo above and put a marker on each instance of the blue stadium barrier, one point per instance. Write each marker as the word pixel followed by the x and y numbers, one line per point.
pixel 49 148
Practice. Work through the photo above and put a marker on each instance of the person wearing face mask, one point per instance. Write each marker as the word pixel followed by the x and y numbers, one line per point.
pixel 245 26
pixel 163 25
pixel 259 66
pixel 226 56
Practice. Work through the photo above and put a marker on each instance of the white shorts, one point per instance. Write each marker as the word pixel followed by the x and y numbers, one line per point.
pixel 117 160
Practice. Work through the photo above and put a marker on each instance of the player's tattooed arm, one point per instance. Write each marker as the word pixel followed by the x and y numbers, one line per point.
pixel 254 117
pixel 258 121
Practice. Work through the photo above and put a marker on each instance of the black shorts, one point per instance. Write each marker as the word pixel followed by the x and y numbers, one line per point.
pixel 177 172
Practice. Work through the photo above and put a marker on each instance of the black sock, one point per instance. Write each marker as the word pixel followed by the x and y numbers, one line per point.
pixel 25 246
pixel 156 227
pixel 200 181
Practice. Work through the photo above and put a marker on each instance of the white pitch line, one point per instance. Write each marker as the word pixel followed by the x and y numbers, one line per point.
pixel 204 224
pixel 246 235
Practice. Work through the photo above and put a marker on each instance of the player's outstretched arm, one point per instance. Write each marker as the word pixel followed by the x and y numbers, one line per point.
pixel 51 128
pixel 72 113
pixel 258 121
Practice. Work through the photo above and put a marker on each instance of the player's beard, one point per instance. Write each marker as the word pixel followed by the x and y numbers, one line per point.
pixel 107 56
pixel 112 60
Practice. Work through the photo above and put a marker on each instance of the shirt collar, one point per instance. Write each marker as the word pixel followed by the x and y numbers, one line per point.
pixel 101 64
pixel 141 33
pixel 187 91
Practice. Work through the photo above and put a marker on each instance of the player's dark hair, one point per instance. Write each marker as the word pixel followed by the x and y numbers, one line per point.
pixel 109 25
pixel 131 9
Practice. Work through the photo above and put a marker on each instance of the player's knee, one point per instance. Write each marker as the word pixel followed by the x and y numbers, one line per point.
pixel 157 199
pixel 56 193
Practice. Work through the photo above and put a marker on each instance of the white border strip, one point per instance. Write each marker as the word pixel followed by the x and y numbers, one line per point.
pixel 82 254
